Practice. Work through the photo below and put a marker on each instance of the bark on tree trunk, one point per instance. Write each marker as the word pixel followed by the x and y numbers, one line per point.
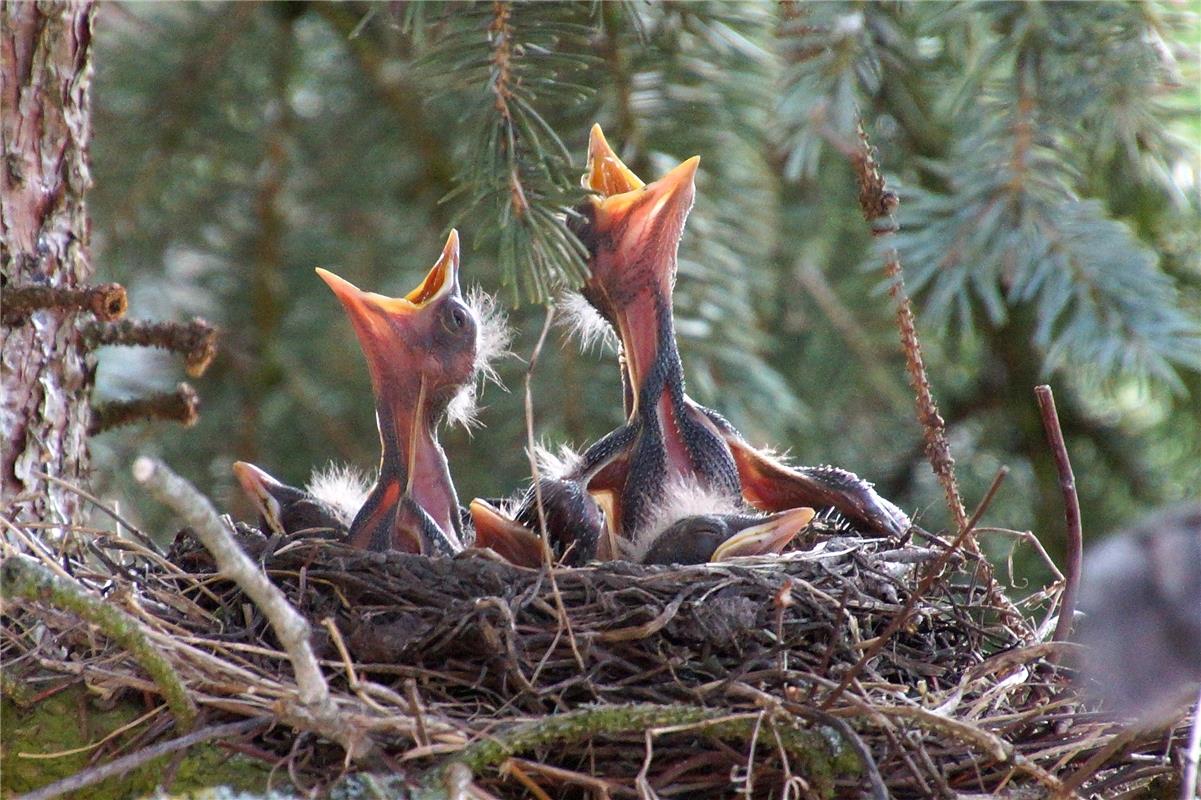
pixel 46 371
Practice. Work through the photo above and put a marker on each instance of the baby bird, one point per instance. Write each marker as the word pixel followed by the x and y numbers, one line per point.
pixel 422 351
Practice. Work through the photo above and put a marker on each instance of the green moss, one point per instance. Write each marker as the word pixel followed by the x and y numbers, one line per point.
pixel 73 719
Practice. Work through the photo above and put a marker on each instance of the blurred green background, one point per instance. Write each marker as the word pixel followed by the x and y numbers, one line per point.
pixel 1045 154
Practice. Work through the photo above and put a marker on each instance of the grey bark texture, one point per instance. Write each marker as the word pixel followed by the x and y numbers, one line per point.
pixel 46 372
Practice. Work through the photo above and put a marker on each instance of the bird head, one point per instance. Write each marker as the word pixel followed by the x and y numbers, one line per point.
pixel 718 537
pixel 284 509
pixel 425 341
pixel 632 229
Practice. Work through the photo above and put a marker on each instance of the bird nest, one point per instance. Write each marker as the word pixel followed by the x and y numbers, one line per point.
pixel 852 667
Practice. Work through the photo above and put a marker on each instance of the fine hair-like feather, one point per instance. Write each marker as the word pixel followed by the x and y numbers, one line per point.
pixel 343 487
pixel 492 343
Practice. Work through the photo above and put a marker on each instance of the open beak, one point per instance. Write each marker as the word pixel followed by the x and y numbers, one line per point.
pixel 770 536
pixel 370 312
pixel 607 174
pixel 507 538
pixel 257 485
pixel 622 193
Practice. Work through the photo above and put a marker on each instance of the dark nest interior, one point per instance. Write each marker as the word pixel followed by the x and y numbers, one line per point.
pixel 817 674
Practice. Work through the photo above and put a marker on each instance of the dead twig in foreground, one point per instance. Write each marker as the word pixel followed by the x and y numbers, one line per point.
pixel 1071 510
pixel 290 627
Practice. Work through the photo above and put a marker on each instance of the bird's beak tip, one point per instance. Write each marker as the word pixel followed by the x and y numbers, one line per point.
pixel 606 174
pixel 770 536
pixel 254 481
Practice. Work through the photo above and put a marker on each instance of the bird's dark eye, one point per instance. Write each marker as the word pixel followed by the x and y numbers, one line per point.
pixel 456 318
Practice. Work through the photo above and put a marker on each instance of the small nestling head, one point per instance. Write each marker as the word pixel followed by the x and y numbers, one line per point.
pixel 717 537
pixel 427 339
pixel 631 229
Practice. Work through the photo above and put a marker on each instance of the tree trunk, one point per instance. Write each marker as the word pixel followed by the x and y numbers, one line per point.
pixel 46 371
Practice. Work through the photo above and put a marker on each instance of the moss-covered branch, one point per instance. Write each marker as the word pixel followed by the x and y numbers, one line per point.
pixel 577 726
pixel 23 577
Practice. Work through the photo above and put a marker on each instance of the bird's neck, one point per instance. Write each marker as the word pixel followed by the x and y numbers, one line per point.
pixel 655 374
pixel 412 456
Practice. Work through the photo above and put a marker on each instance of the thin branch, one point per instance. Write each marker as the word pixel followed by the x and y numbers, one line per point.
pixel 181 405
pixel 196 340
pixel 879 204
pixel 531 451
pixel 120 766
pixel 24 577
pixel 145 540
pixel 1071 506
pixel 560 609
pixel 586 723
pixel 105 301
pixel 290 627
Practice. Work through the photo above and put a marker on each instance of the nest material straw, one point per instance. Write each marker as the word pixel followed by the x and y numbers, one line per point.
pixel 614 680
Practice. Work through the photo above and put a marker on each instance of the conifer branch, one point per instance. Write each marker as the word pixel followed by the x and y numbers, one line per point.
pixel 196 340
pixel 519 176
pixel 105 301
pixel 181 405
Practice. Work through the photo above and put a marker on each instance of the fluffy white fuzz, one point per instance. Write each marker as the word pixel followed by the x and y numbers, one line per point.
pixel 344 487
pixel 556 463
pixel 681 499
pixel 492 343
pixel 584 323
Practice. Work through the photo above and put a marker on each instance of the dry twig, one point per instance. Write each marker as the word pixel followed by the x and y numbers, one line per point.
pixel 1071 510
pixel 878 203
pixel 291 628
pixel 196 340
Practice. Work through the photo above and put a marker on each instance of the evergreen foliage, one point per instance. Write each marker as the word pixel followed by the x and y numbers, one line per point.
pixel 1045 155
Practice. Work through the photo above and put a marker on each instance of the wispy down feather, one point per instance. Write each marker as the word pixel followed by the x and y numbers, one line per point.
pixel 492 342
pixel 556 463
pixel 681 499
pixel 343 487
pixel 584 323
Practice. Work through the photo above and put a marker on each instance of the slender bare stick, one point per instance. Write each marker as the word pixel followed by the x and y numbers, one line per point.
pixel 145 540
pixel 196 340
pixel 24 577
pixel 529 416
pixel 564 619
pixel 136 759
pixel 1071 510
pixel 290 627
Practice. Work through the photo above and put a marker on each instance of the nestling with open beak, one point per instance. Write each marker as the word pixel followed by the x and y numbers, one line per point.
pixel 633 265
pixel 632 231
pixel 422 351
